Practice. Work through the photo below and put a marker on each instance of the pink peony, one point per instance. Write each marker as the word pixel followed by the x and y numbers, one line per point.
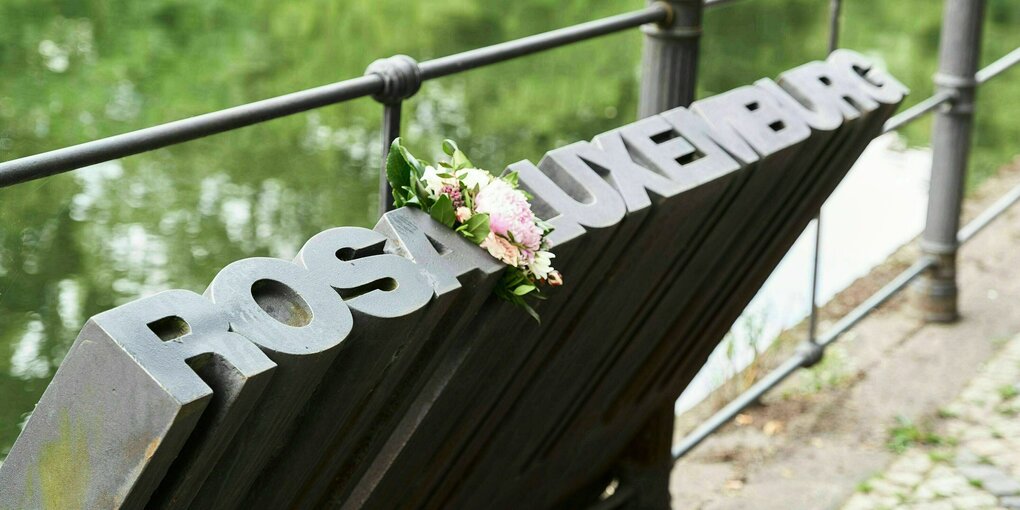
pixel 509 213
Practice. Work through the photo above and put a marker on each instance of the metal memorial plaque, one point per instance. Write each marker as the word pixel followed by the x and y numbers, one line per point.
pixel 376 370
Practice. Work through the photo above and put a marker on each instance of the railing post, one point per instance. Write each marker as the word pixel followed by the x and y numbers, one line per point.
pixel 390 132
pixel 669 65
pixel 401 79
pixel 959 54
pixel 669 73
pixel 647 463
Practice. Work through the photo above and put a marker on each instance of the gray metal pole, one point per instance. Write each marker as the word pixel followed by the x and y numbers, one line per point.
pixel 402 77
pixel 390 132
pixel 959 53
pixel 669 75
pixel 835 8
pixel 669 65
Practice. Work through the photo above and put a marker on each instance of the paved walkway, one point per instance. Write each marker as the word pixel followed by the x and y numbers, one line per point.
pixel 970 457
pixel 823 438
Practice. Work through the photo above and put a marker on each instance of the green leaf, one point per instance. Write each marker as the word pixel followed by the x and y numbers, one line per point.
pixel 523 289
pixel 443 212
pixel 460 160
pixel 450 147
pixel 423 194
pixel 511 178
pixel 398 169
pixel 531 311
pixel 415 167
pixel 413 200
pixel 478 227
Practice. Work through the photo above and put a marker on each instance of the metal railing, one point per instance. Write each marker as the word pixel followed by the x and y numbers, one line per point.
pixel 669 71
pixel 957 79
pixel 390 81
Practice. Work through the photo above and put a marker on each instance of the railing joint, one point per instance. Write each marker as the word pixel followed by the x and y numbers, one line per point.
pixel 810 352
pixel 401 77
pixel 680 23
pixel 666 22
pixel 961 91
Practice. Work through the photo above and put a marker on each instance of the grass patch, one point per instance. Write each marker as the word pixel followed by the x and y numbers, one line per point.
pixel 907 433
pixel 946 413
pixel 1008 391
pixel 865 487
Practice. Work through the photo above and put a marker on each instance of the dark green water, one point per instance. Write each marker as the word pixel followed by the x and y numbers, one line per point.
pixel 74 70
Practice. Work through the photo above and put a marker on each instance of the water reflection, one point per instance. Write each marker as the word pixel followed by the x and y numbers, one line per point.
pixel 74 245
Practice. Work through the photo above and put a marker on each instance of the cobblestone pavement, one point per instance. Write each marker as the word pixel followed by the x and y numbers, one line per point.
pixel 968 458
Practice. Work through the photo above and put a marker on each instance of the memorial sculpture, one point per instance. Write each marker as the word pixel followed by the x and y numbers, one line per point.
pixel 376 370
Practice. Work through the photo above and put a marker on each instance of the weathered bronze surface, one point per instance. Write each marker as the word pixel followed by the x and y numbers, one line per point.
pixel 377 371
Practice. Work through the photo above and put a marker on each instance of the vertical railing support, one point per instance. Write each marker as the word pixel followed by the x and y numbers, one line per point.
pixel 835 10
pixel 648 461
pixel 401 80
pixel 959 55
pixel 390 132
pixel 669 76
pixel 669 65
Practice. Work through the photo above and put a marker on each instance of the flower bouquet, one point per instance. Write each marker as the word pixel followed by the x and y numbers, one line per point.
pixel 491 211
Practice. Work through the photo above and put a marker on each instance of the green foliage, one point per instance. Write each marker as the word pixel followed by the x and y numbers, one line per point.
pixel 865 487
pixel 906 433
pixel 1008 391
pixel 514 286
pixel 476 228
pixel 405 174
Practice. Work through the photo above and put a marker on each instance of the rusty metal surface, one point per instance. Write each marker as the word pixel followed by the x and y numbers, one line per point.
pixel 377 371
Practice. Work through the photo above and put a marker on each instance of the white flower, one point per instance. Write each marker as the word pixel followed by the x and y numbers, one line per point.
pixel 463 214
pixel 433 183
pixel 541 265
pixel 474 177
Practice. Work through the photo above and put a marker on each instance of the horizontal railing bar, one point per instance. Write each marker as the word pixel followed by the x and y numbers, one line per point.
pixel 945 96
pixel 179 131
pixel 798 360
pixel 918 110
pixel 172 133
pixel 999 66
pixel 875 300
pixel 717 3
pixel 745 399
pixel 459 62
pixel 978 224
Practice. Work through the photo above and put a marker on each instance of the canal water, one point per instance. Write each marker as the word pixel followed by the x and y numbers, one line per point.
pixel 74 245
pixel 878 207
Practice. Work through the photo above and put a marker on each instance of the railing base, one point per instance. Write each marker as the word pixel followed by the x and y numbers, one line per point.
pixel 938 292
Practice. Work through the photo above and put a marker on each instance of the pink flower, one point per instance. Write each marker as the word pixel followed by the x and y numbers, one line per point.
pixel 502 249
pixel 454 193
pixel 509 213
pixel 462 213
